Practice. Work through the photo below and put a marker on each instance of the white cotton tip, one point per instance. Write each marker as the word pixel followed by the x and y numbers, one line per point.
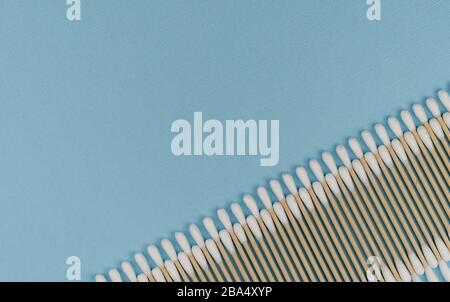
pixel 302 174
pixel 382 134
pixel 293 206
pixel 356 147
pixel 211 228
pixel 417 265
pixel 431 260
pixel 239 231
pixel 250 202
pixel 332 183
pixel 186 263
pixel 403 271
pixel 433 107
pixel 343 155
pixel 408 120
pixel 290 183
pixel 316 169
pixel 114 275
pixel 446 117
pixel 153 251
pixel 419 111
pixel 268 220
pixel 318 189
pixel 172 270
pixel 425 137
pixel 142 263
pixel 445 253
pixel 158 275
pixel 224 218
pixel 100 278
pixel 387 274
pixel 412 143
pixel 281 214
pixel 345 175
pixel 277 189
pixel 437 129
pixel 213 250
pixel 142 278
pixel 304 196
pixel 431 275
pixel 359 169
pixel 369 141
pixel 399 150
pixel 198 255
pixel 385 156
pixel 445 99
pixel 373 164
pixel 328 159
pixel 183 242
pixel 395 126
pixel 169 249
pixel 197 235
pixel 254 227
pixel 128 270
pixel 238 213
pixel 445 270
pixel 264 196
pixel 416 279
pixel 226 240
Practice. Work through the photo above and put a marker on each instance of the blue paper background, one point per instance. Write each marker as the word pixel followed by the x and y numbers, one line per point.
pixel 86 108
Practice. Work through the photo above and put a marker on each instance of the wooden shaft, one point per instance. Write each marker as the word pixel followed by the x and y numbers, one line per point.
pixel 329 269
pixel 337 249
pixel 357 263
pixel 274 250
pixel 309 258
pixel 378 226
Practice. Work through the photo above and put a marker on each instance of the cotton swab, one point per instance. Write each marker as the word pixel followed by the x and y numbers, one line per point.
pixel 214 251
pixel 153 251
pixel 240 233
pixel 114 275
pixel 226 222
pixel 338 181
pixel 198 238
pixel 434 109
pixel 213 232
pixel 170 251
pixel 172 270
pixel 351 173
pixel 406 156
pixel 143 266
pixel 419 111
pixel 159 276
pixel 256 231
pixel 243 236
pixel 252 206
pixel 264 196
pixel 364 167
pixel 201 260
pixel 389 156
pixel 186 248
pixel 283 212
pixel 128 269
pixel 100 278
pixel 300 228
pixel 185 262
pixel 142 278
pixel 324 189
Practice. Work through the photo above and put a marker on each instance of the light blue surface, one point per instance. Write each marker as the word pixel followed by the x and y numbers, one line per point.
pixel 86 108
